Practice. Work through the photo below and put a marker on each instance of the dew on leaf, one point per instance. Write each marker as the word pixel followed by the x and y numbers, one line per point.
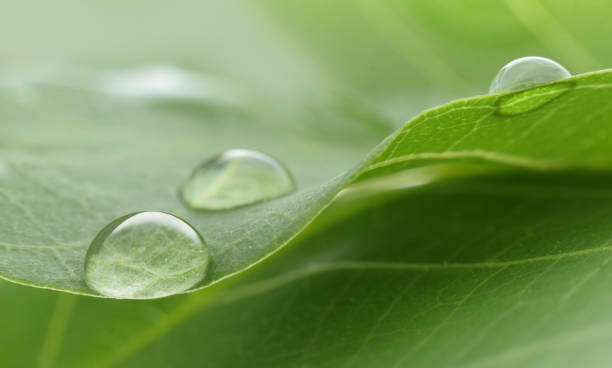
pixel 235 178
pixel 527 72
pixel 145 255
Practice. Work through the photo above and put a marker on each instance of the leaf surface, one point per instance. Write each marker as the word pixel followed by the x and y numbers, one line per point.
pixel 54 209
pixel 473 264
pixel 495 271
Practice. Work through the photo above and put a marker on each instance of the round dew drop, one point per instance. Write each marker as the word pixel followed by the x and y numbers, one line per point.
pixel 146 255
pixel 527 72
pixel 234 178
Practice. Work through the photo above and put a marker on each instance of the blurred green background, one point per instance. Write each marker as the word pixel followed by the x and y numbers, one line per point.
pixel 394 57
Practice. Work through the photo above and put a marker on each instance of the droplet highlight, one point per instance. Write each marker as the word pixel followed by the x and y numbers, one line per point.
pixel 146 255
pixel 234 178
pixel 527 72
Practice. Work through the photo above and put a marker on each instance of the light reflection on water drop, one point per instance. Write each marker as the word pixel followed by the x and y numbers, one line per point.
pixel 527 72
pixel 145 255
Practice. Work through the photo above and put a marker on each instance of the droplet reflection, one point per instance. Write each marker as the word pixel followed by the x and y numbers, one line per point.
pixel 146 255
pixel 235 178
pixel 527 72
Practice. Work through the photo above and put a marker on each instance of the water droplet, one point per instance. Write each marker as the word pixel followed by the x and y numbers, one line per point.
pixel 145 255
pixel 527 72
pixel 235 178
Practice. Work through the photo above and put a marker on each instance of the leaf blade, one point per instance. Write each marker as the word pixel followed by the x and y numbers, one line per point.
pixel 466 130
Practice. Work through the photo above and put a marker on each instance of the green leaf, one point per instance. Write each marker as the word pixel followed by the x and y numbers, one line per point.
pixel 490 271
pixel 94 158
pixel 501 268
pixel 55 208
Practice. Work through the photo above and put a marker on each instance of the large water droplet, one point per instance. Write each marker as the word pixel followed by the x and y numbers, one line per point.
pixel 527 72
pixel 235 178
pixel 145 255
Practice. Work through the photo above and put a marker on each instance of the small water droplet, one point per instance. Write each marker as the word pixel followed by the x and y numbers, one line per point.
pixel 145 255
pixel 235 178
pixel 527 72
